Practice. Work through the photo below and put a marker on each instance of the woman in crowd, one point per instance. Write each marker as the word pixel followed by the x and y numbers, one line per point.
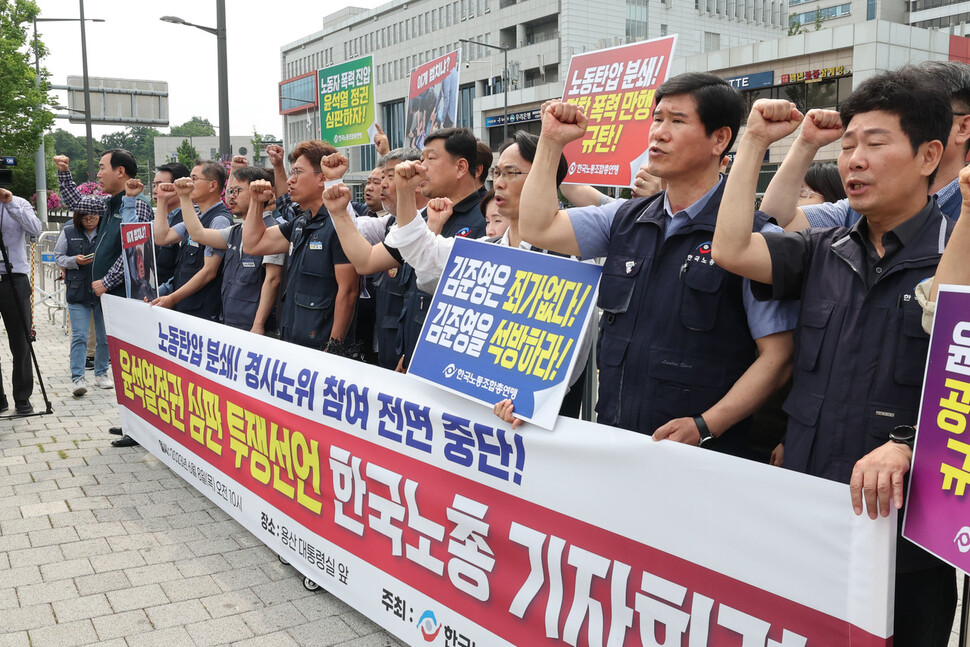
pixel 74 252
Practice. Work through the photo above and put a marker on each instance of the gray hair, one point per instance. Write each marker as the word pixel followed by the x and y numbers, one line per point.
pixel 401 155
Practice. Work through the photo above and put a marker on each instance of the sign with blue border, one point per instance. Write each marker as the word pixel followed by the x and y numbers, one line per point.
pixel 507 324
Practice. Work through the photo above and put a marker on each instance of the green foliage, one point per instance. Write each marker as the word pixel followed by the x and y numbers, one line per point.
pixel 194 127
pixel 23 113
pixel 24 180
pixel 186 153
pixel 256 141
pixel 818 19
pixel 794 27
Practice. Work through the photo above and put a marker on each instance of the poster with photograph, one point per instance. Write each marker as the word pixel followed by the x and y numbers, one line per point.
pixel 141 275
pixel 432 98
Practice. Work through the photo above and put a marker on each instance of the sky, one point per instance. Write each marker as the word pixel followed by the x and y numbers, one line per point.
pixel 134 43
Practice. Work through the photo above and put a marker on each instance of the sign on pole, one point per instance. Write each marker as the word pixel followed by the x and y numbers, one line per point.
pixel 615 88
pixel 347 107
pixel 507 323
pixel 432 98
pixel 938 502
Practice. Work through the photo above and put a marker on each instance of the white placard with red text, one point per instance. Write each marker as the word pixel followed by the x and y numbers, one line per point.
pixel 430 516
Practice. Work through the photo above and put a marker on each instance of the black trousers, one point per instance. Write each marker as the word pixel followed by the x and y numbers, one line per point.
pixel 14 289
pixel 926 601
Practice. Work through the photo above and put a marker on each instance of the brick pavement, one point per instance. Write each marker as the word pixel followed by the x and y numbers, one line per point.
pixel 106 546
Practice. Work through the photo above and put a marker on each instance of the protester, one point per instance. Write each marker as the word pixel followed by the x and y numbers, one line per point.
pixel 859 364
pixel 685 353
pixel 822 183
pixel 495 223
pixel 197 284
pixel 321 287
pixel 483 165
pixel 780 197
pixel 115 168
pixel 17 221
pixel 74 251
pixel 165 254
pixel 250 283
pixel 372 193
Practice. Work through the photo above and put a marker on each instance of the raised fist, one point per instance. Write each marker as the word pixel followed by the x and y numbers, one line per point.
pixel 63 162
pixel 134 187
pixel 275 154
pixel 334 166
pixel 261 191
pixel 183 186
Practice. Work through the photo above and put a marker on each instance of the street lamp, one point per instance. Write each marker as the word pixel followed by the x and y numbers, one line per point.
pixel 40 156
pixel 219 31
pixel 505 79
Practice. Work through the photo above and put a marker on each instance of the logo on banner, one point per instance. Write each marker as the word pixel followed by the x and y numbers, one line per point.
pixel 962 540
pixel 429 625
pixel 450 370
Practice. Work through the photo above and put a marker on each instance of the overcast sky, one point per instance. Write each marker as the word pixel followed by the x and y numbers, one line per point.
pixel 134 43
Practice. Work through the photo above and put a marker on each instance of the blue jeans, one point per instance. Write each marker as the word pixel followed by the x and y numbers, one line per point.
pixel 80 321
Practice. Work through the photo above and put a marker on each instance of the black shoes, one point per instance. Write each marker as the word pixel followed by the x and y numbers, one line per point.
pixel 124 441
pixel 89 364
pixel 24 408
pixel 3 403
pixel 114 430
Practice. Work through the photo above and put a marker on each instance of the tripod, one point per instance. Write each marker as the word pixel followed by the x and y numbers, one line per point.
pixel 8 267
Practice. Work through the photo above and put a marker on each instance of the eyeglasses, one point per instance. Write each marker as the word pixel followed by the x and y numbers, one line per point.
pixel 807 193
pixel 509 174
pixel 90 217
pixel 234 191
pixel 297 172
pixel 200 179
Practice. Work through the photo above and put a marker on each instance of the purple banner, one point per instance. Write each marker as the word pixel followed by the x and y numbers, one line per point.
pixel 938 505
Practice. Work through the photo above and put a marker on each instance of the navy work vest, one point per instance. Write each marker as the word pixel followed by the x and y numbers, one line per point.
pixel 206 302
pixel 242 282
pixel 109 243
pixel 674 332
pixel 466 221
pixel 389 299
pixel 859 357
pixel 165 255
pixel 311 283
pixel 78 281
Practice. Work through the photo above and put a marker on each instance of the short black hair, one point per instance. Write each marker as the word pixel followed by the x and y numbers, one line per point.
pixel 527 143
pixel 824 179
pixel 922 106
pixel 175 169
pixel 250 174
pixel 718 103
pixel 121 157
pixel 460 143
pixel 214 171
pixel 485 158
pixel 483 203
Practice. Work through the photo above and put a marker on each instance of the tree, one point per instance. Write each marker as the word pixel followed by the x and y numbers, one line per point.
pixel 194 127
pixel 256 141
pixel 23 113
pixel 186 153
pixel 794 27
pixel 818 18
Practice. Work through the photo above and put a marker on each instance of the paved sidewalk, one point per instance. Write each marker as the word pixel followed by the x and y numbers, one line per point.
pixel 105 546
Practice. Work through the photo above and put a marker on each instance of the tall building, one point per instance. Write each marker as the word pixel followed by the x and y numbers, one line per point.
pixel 538 36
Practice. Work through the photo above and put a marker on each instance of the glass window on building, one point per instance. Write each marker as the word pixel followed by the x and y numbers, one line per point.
pixel 466 106
pixel 392 121
pixel 823 94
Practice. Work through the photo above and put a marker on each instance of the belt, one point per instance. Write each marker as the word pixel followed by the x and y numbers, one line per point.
pixel 10 277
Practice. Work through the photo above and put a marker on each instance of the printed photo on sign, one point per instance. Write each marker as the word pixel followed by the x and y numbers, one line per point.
pixel 141 275
pixel 428 515
pixel 347 106
pixel 938 501
pixel 432 98
pixel 615 87
pixel 506 323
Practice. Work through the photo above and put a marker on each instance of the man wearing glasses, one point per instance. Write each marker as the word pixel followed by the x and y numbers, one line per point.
pixel 165 256
pixel 196 286
pixel 321 288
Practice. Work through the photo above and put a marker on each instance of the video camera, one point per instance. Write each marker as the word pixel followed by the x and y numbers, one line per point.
pixel 6 173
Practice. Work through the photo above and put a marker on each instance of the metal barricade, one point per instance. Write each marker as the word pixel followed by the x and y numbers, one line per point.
pixel 49 289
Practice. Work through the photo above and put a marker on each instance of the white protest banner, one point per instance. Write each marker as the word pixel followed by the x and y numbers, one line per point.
pixel 430 516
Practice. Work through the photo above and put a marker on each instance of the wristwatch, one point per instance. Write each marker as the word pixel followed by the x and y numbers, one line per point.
pixel 904 435
pixel 706 435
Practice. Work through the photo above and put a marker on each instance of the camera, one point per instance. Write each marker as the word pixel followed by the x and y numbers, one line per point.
pixel 6 173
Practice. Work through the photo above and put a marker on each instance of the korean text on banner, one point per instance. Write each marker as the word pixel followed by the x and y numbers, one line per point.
pixel 432 98
pixel 938 502
pixel 347 111
pixel 428 515
pixel 141 274
pixel 615 87
pixel 507 323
